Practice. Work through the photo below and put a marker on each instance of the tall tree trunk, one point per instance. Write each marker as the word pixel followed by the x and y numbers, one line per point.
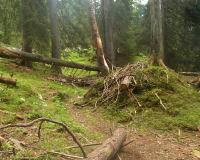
pixel 108 31
pixel 157 39
pixel 56 53
pixel 26 40
pixel 96 39
pixel 166 55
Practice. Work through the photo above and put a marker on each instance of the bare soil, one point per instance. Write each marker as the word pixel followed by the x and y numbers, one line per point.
pixel 151 145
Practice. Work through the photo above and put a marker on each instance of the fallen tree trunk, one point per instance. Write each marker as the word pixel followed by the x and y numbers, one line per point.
pixel 190 73
pixel 8 80
pixel 9 53
pixel 125 83
pixel 110 147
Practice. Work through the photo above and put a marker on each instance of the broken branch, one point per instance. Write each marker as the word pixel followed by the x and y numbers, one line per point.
pixel 8 80
pixel 48 120
pixel 7 112
pixel 160 101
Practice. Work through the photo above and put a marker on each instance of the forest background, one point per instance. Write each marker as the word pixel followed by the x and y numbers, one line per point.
pixel 131 27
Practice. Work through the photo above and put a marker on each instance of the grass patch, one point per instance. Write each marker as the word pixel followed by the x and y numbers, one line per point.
pixel 37 96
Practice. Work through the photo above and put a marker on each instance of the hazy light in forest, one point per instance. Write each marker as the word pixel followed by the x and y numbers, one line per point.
pixel 144 1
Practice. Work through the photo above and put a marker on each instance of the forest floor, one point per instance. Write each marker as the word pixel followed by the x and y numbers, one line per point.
pixel 149 145
pixel 39 94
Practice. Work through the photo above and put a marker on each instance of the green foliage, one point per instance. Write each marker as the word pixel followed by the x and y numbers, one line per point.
pixel 73 24
pixel 131 28
pixel 182 35
pixel 10 22
pixel 140 57
pixel 123 16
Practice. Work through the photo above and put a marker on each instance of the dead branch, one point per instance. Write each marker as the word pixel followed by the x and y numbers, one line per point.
pixel 115 83
pixel 55 152
pixel 17 144
pixel 85 145
pixel 167 76
pixel 63 154
pixel 39 129
pixel 119 157
pixel 2 140
pixel 9 152
pixel 135 98
pixel 48 120
pixel 51 152
pixel 8 80
pixel 128 143
pixel 7 112
pixel 160 101
pixel 189 73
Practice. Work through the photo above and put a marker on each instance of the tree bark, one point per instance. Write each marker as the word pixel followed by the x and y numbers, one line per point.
pixel 26 40
pixel 8 80
pixel 190 73
pixel 9 53
pixel 108 32
pixel 96 39
pixel 157 39
pixel 56 53
pixel 110 147
pixel 126 82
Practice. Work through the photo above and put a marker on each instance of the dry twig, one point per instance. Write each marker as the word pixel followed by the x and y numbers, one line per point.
pixel 85 145
pixel 160 101
pixel 111 91
pixel 7 112
pixel 128 143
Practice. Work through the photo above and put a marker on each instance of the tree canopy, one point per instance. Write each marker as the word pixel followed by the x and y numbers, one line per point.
pixel 131 28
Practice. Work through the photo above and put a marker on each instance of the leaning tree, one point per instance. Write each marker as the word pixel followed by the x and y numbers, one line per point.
pixel 103 66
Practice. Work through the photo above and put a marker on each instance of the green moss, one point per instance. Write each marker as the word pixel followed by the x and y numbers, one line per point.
pixel 180 99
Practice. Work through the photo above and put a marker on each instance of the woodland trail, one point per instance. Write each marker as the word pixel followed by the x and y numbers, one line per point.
pixel 148 145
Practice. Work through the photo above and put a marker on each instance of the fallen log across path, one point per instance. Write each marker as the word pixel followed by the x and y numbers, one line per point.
pixel 8 80
pixel 126 82
pixel 110 147
pixel 10 53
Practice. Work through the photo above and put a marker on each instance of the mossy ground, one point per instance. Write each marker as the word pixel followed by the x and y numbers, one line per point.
pixel 181 100
pixel 38 95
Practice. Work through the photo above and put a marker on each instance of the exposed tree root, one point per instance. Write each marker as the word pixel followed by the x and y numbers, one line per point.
pixel 157 61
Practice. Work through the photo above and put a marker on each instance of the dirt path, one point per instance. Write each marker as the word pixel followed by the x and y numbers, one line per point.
pixel 146 146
